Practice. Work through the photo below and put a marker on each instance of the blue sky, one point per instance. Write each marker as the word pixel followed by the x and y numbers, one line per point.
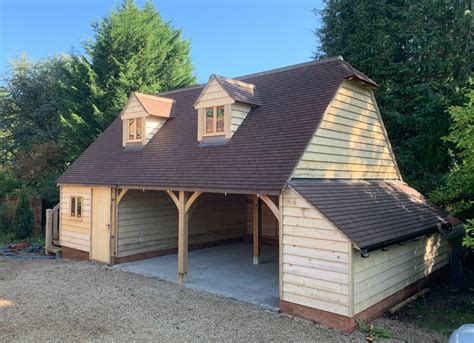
pixel 228 37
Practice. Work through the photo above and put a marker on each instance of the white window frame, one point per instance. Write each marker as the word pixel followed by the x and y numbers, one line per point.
pixel 214 122
pixel 134 128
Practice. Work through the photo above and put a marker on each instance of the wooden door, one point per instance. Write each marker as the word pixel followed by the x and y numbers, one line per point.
pixel 101 225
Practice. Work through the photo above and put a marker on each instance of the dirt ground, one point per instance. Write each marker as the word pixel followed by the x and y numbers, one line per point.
pixel 64 300
pixel 442 309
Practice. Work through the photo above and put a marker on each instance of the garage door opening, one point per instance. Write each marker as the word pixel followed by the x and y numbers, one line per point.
pixel 220 242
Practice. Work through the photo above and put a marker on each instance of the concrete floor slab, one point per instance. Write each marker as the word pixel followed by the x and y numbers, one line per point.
pixel 225 270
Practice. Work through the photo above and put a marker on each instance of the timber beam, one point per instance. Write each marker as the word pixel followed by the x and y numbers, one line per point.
pixel 184 204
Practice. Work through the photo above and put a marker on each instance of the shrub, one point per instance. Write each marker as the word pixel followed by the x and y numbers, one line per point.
pixel 24 217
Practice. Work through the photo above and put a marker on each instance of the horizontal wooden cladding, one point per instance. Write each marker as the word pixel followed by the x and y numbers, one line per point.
pixel 75 240
pixel 238 114
pixel 75 232
pixel 315 258
pixel 384 273
pixel 315 303
pixel 214 95
pixel 350 142
pixel 148 221
pixel 133 109
pixel 152 125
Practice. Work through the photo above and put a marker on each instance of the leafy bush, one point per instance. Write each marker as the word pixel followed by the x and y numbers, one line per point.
pixel 373 333
pixel 8 188
pixel 457 195
pixel 469 240
pixel 24 217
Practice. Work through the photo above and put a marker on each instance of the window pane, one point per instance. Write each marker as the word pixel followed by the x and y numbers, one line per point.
pixel 79 207
pixel 73 207
pixel 131 129
pixel 139 128
pixel 209 120
pixel 220 119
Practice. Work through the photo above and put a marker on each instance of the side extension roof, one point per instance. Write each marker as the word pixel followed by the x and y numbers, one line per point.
pixel 372 214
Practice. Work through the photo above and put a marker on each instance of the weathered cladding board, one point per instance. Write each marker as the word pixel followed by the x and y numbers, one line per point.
pixel 350 142
pixel 269 221
pixel 133 109
pixel 148 221
pixel 238 114
pixel 214 95
pixel 384 273
pixel 152 125
pixel 73 232
pixel 315 258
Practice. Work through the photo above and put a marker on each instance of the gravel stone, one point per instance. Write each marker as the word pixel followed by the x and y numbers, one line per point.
pixel 65 300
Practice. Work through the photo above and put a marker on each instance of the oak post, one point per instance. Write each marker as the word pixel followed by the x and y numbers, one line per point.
pixel 182 238
pixel 256 229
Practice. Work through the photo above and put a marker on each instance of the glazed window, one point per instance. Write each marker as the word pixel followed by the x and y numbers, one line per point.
pixel 214 121
pixel 134 130
pixel 76 207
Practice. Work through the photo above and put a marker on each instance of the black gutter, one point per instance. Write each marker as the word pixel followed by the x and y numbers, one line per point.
pixel 399 240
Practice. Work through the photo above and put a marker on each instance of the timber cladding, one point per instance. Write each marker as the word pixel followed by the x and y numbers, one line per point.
pixel 351 141
pixel 385 273
pixel 349 324
pixel 148 221
pixel 75 232
pixel 316 258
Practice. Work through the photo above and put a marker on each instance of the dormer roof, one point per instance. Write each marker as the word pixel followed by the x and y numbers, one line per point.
pixel 154 105
pixel 239 91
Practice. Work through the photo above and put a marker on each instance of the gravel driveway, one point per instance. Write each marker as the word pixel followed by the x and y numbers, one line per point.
pixel 64 300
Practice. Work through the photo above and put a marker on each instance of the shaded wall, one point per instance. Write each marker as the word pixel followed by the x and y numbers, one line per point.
pixel 148 221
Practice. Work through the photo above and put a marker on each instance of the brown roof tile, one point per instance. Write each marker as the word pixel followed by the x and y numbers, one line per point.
pixel 372 214
pixel 260 157
pixel 239 90
pixel 155 105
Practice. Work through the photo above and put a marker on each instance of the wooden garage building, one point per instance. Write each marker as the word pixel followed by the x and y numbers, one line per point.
pixel 298 156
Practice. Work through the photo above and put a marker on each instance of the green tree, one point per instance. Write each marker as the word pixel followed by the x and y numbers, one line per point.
pixel 133 50
pixel 24 217
pixel 30 125
pixel 420 51
pixel 28 107
pixel 457 194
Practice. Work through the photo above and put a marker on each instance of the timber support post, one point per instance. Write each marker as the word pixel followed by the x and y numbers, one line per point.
pixel 184 205
pixel 182 239
pixel 256 229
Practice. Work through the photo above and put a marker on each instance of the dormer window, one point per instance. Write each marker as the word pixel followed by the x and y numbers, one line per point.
pixel 142 118
pixel 221 107
pixel 215 120
pixel 135 130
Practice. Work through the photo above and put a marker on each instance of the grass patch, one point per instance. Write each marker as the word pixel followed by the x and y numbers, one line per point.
pixel 374 334
pixel 448 320
pixel 9 237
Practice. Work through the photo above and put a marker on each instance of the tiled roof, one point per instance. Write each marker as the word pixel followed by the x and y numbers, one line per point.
pixel 154 105
pixel 260 157
pixel 372 214
pixel 239 90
